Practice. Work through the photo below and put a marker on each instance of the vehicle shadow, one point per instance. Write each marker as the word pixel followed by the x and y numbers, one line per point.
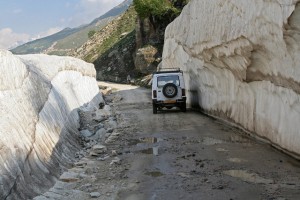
pixel 165 110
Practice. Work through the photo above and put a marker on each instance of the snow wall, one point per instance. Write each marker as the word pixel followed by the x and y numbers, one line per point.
pixel 241 61
pixel 39 97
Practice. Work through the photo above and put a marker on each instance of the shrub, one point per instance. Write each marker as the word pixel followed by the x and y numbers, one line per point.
pixel 157 8
pixel 91 33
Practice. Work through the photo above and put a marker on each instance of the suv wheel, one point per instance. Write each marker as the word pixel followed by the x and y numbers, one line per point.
pixel 154 109
pixel 170 90
pixel 183 107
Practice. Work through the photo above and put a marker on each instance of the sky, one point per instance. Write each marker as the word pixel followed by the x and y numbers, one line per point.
pixel 25 20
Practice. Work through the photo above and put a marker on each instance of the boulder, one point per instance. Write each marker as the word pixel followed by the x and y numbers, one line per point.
pixel 69 177
pixel 147 59
pixel 99 134
pixel 95 194
pixel 98 150
pixel 86 133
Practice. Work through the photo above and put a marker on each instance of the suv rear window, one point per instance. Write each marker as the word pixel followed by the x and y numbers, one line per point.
pixel 162 80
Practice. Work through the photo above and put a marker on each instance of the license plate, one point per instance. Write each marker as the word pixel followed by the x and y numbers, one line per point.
pixel 170 101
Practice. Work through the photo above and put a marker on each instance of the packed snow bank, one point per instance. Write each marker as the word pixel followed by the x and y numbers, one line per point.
pixel 39 98
pixel 241 63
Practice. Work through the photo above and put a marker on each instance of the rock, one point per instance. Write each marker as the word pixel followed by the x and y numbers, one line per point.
pixel 236 72
pixel 85 186
pixel 112 137
pixel 116 161
pixel 80 164
pixel 98 150
pixel 83 175
pixel 99 126
pixel 101 105
pixel 124 34
pixel 112 53
pixel 103 158
pixel 86 133
pixel 99 134
pixel 107 91
pixel 111 123
pixel 69 177
pixel 107 107
pixel 102 113
pixel 114 153
pixel 145 60
pixel 109 130
pixel 99 118
pixel 117 98
pixel 95 194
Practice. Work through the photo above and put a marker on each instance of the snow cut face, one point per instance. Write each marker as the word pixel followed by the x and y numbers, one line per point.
pixel 241 62
pixel 39 98
pixel 12 70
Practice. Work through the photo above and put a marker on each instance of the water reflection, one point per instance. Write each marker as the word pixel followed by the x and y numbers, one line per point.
pixel 248 177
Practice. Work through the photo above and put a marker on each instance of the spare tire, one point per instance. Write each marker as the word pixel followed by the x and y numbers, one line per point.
pixel 170 90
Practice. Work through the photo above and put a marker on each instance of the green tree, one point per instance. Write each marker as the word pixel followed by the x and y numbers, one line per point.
pixel 157 8
pixel 91 33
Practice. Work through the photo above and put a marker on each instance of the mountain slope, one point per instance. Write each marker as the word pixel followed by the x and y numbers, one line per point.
pixel 112 48
pixel 37 46
pixel 70 38
pixel 130 44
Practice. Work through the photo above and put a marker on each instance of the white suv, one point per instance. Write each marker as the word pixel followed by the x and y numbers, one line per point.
pixel 168 90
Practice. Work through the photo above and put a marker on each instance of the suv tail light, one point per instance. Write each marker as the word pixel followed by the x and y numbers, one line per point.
pixel 154 94
pixel 183 92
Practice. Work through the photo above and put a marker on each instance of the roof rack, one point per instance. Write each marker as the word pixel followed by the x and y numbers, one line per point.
pixel 168 70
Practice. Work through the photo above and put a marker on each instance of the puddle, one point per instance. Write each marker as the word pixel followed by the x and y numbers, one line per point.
pixel 153 150
pixel 132 142
pixel 147 151
pixel 222 150
pixel 154 174
pixel 144 140
pixel 236 160
pixel 248 177
pixel 230 139
pixel 238 139
pixel 183 175
pixel 211 141
pixel 150 140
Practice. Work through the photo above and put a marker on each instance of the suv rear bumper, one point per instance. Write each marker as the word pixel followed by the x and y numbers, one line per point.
pixel 177 102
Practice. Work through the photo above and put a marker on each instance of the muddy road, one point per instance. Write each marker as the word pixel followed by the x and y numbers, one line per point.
pixel 175 155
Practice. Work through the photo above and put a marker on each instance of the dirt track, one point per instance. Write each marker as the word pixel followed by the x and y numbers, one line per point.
pixel 174 155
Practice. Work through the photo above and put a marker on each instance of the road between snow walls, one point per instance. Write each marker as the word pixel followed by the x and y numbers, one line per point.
pixel 129 153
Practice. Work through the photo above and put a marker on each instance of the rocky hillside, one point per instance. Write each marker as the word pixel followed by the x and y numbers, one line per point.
pixel 68 39
pixel 39 100
pixel 132 43
pixel 111 49
pixel 241 63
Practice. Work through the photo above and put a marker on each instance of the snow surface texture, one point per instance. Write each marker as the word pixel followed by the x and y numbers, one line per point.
pixel 241 63
pixel 39 98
